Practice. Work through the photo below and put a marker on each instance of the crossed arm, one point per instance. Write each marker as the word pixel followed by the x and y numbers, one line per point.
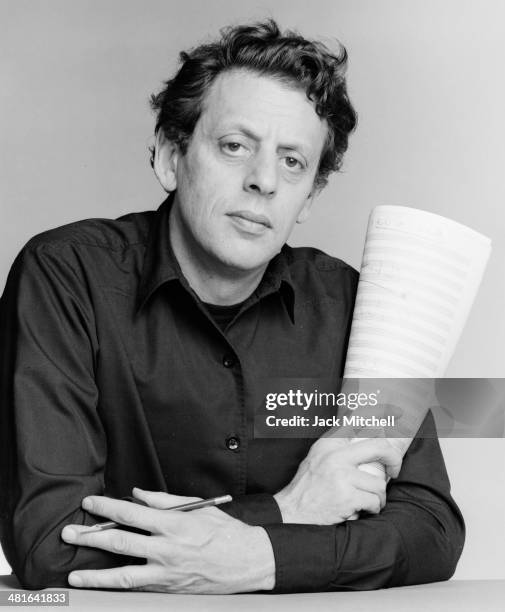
pixel 300 541
pixel 207 551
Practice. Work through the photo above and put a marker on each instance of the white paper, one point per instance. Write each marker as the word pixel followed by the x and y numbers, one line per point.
pixel 419 277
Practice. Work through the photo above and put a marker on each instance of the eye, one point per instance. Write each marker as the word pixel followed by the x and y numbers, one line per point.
pixel 293 163
pixel 232 148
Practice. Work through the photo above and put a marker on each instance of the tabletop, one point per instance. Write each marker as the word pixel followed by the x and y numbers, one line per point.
pixel 455 595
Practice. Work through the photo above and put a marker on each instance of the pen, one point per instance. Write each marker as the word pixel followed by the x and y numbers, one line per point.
pixel 203 503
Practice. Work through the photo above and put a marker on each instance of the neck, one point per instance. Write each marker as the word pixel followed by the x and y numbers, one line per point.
pixel 212 280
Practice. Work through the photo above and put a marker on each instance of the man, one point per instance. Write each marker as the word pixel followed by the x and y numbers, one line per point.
pixel 132 350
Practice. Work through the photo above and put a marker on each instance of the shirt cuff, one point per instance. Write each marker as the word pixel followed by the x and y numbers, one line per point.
pixel 305 556
pixel 257 509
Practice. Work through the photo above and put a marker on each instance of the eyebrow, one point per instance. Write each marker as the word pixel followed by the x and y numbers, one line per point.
pixel 293 146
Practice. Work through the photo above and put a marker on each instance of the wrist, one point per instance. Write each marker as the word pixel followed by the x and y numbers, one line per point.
pixel 261 561
pixel 282 500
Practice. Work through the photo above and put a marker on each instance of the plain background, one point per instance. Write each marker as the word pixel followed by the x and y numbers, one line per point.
pixel 426 77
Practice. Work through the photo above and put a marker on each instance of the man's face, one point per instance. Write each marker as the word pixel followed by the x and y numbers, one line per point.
pixel 248 172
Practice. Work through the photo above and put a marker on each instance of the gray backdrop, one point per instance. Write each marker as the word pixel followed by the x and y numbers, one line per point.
pixel 425 76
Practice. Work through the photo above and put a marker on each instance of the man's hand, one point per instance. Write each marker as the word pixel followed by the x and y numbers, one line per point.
pixel 329 487
pixel 203 551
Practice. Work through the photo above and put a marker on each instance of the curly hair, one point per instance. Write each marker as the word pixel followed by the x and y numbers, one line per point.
pixel 261 48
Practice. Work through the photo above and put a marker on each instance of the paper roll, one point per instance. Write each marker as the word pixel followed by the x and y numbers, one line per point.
pixel 419 277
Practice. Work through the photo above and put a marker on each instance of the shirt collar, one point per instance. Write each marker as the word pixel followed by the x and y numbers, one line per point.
pixel 277 278
pixel 161 266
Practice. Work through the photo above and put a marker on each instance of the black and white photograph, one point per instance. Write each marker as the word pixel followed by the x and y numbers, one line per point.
pixel 251 304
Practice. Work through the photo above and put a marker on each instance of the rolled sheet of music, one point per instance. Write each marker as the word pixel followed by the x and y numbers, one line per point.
pixel 419 277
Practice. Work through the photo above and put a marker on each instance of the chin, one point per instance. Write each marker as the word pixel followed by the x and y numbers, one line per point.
pixel 245 261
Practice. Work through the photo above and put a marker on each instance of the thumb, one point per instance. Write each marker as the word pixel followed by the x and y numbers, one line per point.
pixel 160 500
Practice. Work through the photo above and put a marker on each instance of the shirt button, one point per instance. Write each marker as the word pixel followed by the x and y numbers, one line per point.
pixel 233 443
pixel 228 361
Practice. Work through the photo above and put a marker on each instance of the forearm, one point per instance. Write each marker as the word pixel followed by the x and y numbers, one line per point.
pixel 204 551
pixel 418 536
pixel 53 444
pixel 32 542
pixel 405 544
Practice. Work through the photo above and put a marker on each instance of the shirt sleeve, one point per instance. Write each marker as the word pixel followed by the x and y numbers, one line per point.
pixel 417 538
pixel 53 447
pixel 254 509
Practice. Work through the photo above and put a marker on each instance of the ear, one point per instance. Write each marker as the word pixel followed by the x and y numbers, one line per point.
pixel 304 214
pixel 166 154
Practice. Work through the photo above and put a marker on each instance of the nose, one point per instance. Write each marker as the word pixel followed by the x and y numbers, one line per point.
pixel 262 176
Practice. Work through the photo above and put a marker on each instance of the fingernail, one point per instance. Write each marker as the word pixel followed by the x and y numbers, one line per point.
pixel 87 504
pixel 137 489
pixel 75 580
pixel 68 534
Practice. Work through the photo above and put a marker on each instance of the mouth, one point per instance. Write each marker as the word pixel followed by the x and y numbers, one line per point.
pixel 249 217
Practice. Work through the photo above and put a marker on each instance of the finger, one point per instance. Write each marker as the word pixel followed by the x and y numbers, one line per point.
pixel 375 469
pixel 127 513
pixel 126 577
pixel 368 502
pixel 116 541
pixel 160 500
pixel 371 484
pixel 377 449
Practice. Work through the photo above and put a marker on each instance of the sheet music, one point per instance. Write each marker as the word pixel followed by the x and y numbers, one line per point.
pixel 419 277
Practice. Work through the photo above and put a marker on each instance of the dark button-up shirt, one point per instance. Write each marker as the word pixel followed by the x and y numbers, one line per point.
pixel 114 374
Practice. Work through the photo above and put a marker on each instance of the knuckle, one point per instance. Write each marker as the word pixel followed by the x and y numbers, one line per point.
pixel 126 581
pixel 119 543
pixel 124 517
